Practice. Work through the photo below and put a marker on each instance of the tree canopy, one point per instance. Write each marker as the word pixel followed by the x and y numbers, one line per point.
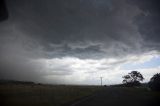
pixel 154 82
pixel 133 78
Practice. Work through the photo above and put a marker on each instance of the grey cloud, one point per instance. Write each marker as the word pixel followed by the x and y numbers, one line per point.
pixel 18 69
pixel 148 22
pixel 86 29
pixel 55 22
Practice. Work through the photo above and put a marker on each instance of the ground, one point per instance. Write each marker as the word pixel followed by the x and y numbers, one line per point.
pixel 42 95
pixel 112 96
pixel 64 95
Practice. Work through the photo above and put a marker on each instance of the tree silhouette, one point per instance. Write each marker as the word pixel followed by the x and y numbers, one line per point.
pixel 154 83
pixel 133 78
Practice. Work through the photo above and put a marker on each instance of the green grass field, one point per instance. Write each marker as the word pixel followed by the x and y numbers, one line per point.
pixel 42 95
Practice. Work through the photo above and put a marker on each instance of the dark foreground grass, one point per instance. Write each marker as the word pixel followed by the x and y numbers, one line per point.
pixel 42 95
pixel 58 95
pixel 121 96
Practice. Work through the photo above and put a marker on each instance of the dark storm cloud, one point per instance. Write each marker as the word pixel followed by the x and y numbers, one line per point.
pixel 86 29
pixel 64 22
pixel 148 22
pixel 92 51
pixel 18 69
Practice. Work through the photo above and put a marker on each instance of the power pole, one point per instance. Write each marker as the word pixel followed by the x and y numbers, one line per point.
pixel 101 80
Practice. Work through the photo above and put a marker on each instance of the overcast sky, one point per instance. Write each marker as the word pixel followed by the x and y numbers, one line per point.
pixel 79 41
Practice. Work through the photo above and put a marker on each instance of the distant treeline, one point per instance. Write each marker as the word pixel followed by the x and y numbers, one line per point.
pixel 125 85
pixel 16 82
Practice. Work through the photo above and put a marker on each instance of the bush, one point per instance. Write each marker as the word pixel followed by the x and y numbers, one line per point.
pixel 132 84
pixel 154 83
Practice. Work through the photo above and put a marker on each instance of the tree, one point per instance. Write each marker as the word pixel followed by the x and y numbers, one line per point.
pixel 154 83
pixel 133 78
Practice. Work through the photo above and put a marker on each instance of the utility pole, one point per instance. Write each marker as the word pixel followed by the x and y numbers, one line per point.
pixel 101 80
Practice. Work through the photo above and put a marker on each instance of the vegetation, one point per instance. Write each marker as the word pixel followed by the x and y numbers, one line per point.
pixel 25 94
pixel 124 96
pixel 133 79
pixel 154 83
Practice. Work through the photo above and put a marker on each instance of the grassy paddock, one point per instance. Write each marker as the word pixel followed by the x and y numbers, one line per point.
pixel 42 95
pixel 57 95
pixel 141 96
